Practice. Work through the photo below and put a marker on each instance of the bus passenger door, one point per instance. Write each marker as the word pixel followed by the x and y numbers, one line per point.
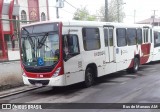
pixel 146 46
pixel 109 50
pixel 72 59
pixel 152 45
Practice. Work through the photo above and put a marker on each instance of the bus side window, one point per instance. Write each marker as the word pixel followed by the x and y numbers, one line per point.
pixel 70 46
pixel 139 36
pixel 106 37
pixel 151 35
pixel 145 32
pixel 111 36
pixel 91 39
pixel 121 37
pixel 131 36
pixel 156 39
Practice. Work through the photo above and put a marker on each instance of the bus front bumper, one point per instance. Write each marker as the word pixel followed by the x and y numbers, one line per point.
pixel 54 81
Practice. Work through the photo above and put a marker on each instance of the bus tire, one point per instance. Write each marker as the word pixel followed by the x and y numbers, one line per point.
pixel 135 67
pixel 89 77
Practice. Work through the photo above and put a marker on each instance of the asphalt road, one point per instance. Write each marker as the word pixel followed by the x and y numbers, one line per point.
pixel 120 87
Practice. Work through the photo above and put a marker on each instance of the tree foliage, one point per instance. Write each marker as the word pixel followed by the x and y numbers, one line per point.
pixel 114 7
pixel 83 14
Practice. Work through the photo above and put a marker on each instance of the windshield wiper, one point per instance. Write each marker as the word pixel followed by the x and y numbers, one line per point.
pixel 42 41
pixel 39 43
pixel 29 38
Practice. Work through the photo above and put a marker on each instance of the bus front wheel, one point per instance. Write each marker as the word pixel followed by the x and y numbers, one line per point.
pixel 89 77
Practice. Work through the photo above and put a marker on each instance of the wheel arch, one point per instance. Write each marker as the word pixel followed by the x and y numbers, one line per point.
pixel 93 66
pixel 137 56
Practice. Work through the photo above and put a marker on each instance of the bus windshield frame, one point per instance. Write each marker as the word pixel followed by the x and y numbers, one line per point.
pixel 40 45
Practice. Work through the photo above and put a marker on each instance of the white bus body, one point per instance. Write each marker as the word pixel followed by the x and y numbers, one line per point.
pixel 99 48
pixel 156 38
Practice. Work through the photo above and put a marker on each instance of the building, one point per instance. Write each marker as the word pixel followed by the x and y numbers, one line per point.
pixel 23 10
pixel 153 21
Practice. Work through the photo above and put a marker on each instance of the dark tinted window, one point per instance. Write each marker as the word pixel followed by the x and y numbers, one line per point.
pixel 91 38
pixel 121 37
pixel 139 36
pixel 110 36
pixel 145 33
pixel 131 36
pixel 106 36
pixel 156 39
pixel 151 35
pixel 70 46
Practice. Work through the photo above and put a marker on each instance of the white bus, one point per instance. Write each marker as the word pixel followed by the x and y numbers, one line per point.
pixel 156 38
pixel 61 53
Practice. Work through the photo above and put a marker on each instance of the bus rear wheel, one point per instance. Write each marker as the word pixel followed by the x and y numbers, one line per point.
pixel 135 67
pixel 89 77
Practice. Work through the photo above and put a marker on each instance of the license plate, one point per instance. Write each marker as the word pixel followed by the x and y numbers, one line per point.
pixel 38 84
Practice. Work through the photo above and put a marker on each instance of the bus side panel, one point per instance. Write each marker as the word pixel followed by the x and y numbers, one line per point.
pixel 91 57
pixel 73 70
pixel 156 54
pixel 96 57
pixel 156 45
pixel 124 56
pixel 145 53
pixel 73 66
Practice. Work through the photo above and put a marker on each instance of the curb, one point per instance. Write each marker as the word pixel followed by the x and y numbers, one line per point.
pixel 15 91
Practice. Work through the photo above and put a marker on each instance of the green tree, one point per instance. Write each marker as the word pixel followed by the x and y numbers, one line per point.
pixel 83 14
pixel 115 11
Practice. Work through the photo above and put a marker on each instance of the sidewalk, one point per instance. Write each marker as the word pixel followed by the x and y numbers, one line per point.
pixel 16 90
pixel 10 75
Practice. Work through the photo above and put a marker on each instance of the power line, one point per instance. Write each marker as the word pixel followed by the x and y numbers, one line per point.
pixel 67 11
pixel 71 5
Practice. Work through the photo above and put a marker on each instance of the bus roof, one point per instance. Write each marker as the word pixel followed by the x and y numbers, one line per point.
pixel 89 23
pixel 156 28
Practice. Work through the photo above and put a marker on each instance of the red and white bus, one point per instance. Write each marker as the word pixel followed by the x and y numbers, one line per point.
pixel 61 53
pixel 156 38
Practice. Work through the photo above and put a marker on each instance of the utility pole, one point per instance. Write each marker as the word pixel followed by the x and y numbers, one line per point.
pixel 59 4
pixel 118 10
pixel 106 10
pixel 154 14
pixel 57 11
pixel 134 16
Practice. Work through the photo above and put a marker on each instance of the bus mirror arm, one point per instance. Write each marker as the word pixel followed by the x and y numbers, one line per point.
pixel 57 53
pixel 64 56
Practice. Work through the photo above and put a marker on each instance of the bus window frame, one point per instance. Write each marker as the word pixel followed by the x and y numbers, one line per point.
pixel 124 37
pixel 69 55
pixel 84 39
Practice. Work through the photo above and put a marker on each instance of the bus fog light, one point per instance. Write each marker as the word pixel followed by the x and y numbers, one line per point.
pixel 56 73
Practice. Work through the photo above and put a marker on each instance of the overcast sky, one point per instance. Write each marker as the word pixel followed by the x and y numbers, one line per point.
pixel 144 8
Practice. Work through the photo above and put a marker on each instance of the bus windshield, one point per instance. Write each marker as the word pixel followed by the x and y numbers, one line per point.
pixel 40 45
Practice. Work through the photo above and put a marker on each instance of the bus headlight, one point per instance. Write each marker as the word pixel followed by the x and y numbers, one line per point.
pixel 56 73
pixel 24 74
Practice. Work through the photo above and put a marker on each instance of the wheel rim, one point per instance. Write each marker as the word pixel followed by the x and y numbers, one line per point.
pixel 136 64
pixel 89 79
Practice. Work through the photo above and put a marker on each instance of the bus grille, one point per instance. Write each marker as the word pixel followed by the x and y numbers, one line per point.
pixel 43 82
